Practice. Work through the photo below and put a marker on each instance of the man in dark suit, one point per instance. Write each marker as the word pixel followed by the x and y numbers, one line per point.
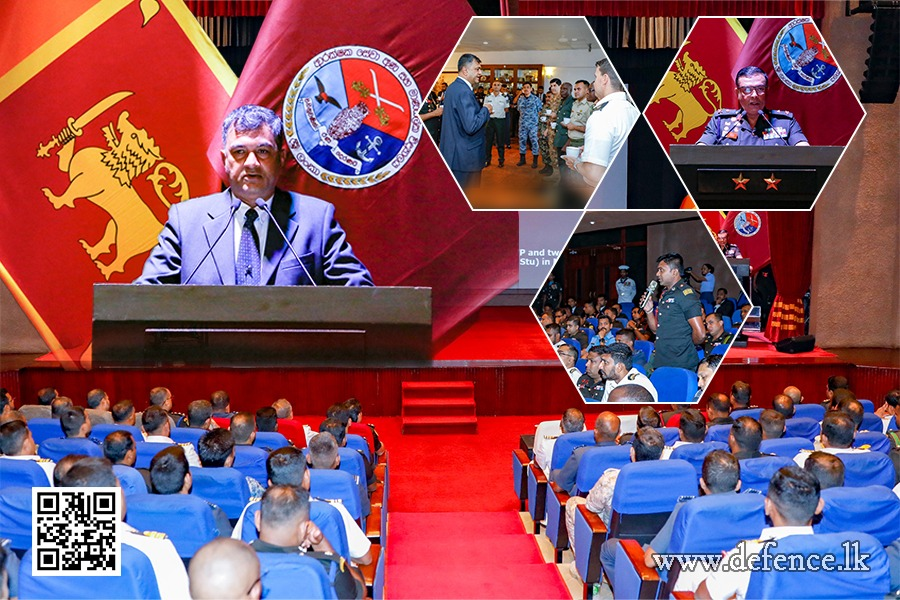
pixel 464 120
pixel 247 247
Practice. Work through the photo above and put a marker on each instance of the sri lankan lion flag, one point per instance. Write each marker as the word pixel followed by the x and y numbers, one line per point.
pixel 106 110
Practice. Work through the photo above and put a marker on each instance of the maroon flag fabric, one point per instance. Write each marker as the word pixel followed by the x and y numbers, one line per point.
pixel 804 78
pixel 348 78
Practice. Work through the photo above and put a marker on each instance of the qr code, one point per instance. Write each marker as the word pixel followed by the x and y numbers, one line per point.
pixel 76 531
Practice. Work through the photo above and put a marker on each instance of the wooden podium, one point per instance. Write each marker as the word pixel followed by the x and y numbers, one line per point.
pixel 170 325
pixel 754 177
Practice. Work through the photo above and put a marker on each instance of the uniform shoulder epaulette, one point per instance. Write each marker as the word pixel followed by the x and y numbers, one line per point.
pixel 688 291
pixel 782 113
pixel 157 535
pixel 185 444
pixel 727 112
pixel 806 451
pixel 43 460
pixel 632 376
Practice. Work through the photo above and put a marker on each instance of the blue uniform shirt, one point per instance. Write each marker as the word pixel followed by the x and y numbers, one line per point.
pixel 724 129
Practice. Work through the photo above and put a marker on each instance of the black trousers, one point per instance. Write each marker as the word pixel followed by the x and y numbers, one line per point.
pixel 496 131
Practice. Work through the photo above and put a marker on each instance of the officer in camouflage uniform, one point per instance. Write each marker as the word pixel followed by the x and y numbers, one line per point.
pixel 545 131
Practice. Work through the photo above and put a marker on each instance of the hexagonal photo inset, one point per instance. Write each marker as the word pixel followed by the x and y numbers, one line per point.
pixel 529 113
pixel 754 113
pixel 641 306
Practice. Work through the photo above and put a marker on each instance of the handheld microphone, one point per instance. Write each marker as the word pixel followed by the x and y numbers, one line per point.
pixel 651 289
pixel 766 119
pixel 739 118
pixel 234 206
pixel 262 204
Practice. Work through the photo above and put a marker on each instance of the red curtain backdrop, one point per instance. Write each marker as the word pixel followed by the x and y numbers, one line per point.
pixel 232 8
pixel 790 241
pixel 673 8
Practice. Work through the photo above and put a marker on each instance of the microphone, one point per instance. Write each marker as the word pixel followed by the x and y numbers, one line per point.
pixel 651 289
pixel 740 117
pixel 234 206
pixel 262 204
pixel 766 119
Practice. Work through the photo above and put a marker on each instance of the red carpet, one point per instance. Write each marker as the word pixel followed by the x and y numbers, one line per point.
pixel 500 333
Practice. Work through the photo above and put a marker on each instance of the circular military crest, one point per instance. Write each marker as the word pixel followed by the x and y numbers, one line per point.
pixel 801 59
pixel 747 223
pixel 350 116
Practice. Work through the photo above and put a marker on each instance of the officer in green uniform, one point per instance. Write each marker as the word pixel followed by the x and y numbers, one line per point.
pixel 678 325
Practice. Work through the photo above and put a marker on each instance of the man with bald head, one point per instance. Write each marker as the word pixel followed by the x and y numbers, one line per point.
pixel 784 404
pixel 227 569
pixel 718 409
pixel 794 394
pixel 606 433
pixel 547 432
pixel 631 393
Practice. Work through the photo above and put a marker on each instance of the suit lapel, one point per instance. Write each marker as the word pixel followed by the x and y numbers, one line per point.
pixel 223 253
pixel 282 210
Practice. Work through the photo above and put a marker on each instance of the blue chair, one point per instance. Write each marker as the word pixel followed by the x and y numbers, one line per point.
pixel 21 473
pixel 627 307
pixel 718 433
pixel 326 517
pixel 720 349
pixel 742 300
pixel 225 487
pixel 353 463
pixel 188 435
pixel 378 584
pixel 802 427
pixel 581 365
pixel 270 440
pixel 566 444
pixel 146 451
pixel 339 486
pixel 868 405
pixel 746 412
pixel 101 431
pixel 282 573
pixel 251 462
pixel 874 510
pixel 137 581
pixel 726 320
pixel 574 343
pixel 670 435
pixel 788 447
pixel 674 385
pixel 640 369
pixel 756 472
pixel 871 584
pixel 55 449
pixel 614 330
pixel 644 345
pixel 877 441
pixel 862 469
pixel 892 424
pixel 45 429
pixel 131 481
pixel 696 453
pixel 809 411
pixel 358 443
pixel 871 422
pixel 701 354
pixel 593 323
pixel 15 516
pixel 384 503
pixel 707 307
pixel 187 520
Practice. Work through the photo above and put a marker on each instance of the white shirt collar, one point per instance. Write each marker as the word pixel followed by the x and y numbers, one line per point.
pixel 466 81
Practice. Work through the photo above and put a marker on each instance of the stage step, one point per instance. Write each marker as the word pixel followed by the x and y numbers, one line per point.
pixel 439 407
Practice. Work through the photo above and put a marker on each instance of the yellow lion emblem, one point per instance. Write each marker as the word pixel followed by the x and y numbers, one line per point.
pixel 105 176
pixel 678 87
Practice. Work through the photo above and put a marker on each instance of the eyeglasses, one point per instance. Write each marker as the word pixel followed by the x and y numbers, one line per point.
pixel 748 90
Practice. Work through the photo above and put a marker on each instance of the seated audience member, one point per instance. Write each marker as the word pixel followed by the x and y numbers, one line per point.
pixel 740 395
pixel 11 415
pixel 569 356
pixel 745 437
pixel 98 407
pixel 639 325
pixel 41 410
pixel 199 415
pixel 572 421
pixel 339 430
pixel 63 466
pixel 554 334
pixel 606 433
pixel 170 473
pixel 630 394
pixel 59 405
pixel 591 384
pixel 355 411
pixel 835 382
pixel 225 569
pixel 162 397
pixel 772 424
pixel 647 444
pixel 791 502
pixel 547 319
pixel 16 443
pixel 157 427
pixel 284 527
pixel 715 333
pixel 216 450
pixel 890 409
pixel 646 417
pixel 616 367
pixel 243 428
pixel 838 432
pixel 6 403
pixel 723 305
pixel 123 413
pixel 705 371
pixel 221 404
pixel 267 420
pixel 626 336
pixel 604 335
pixel 718 409
pixel 853 408
pixel 794 394
pixel 171 577
pixel 76 423
pixel 119 449
pixel 691 430
pixel 721 474
pixel 828 469
pixel 573 330
pixel 287 425
pixel 287 466
pixel 784 405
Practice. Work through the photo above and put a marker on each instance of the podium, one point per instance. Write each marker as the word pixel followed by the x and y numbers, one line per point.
pixel 250 326
pixel 754 177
